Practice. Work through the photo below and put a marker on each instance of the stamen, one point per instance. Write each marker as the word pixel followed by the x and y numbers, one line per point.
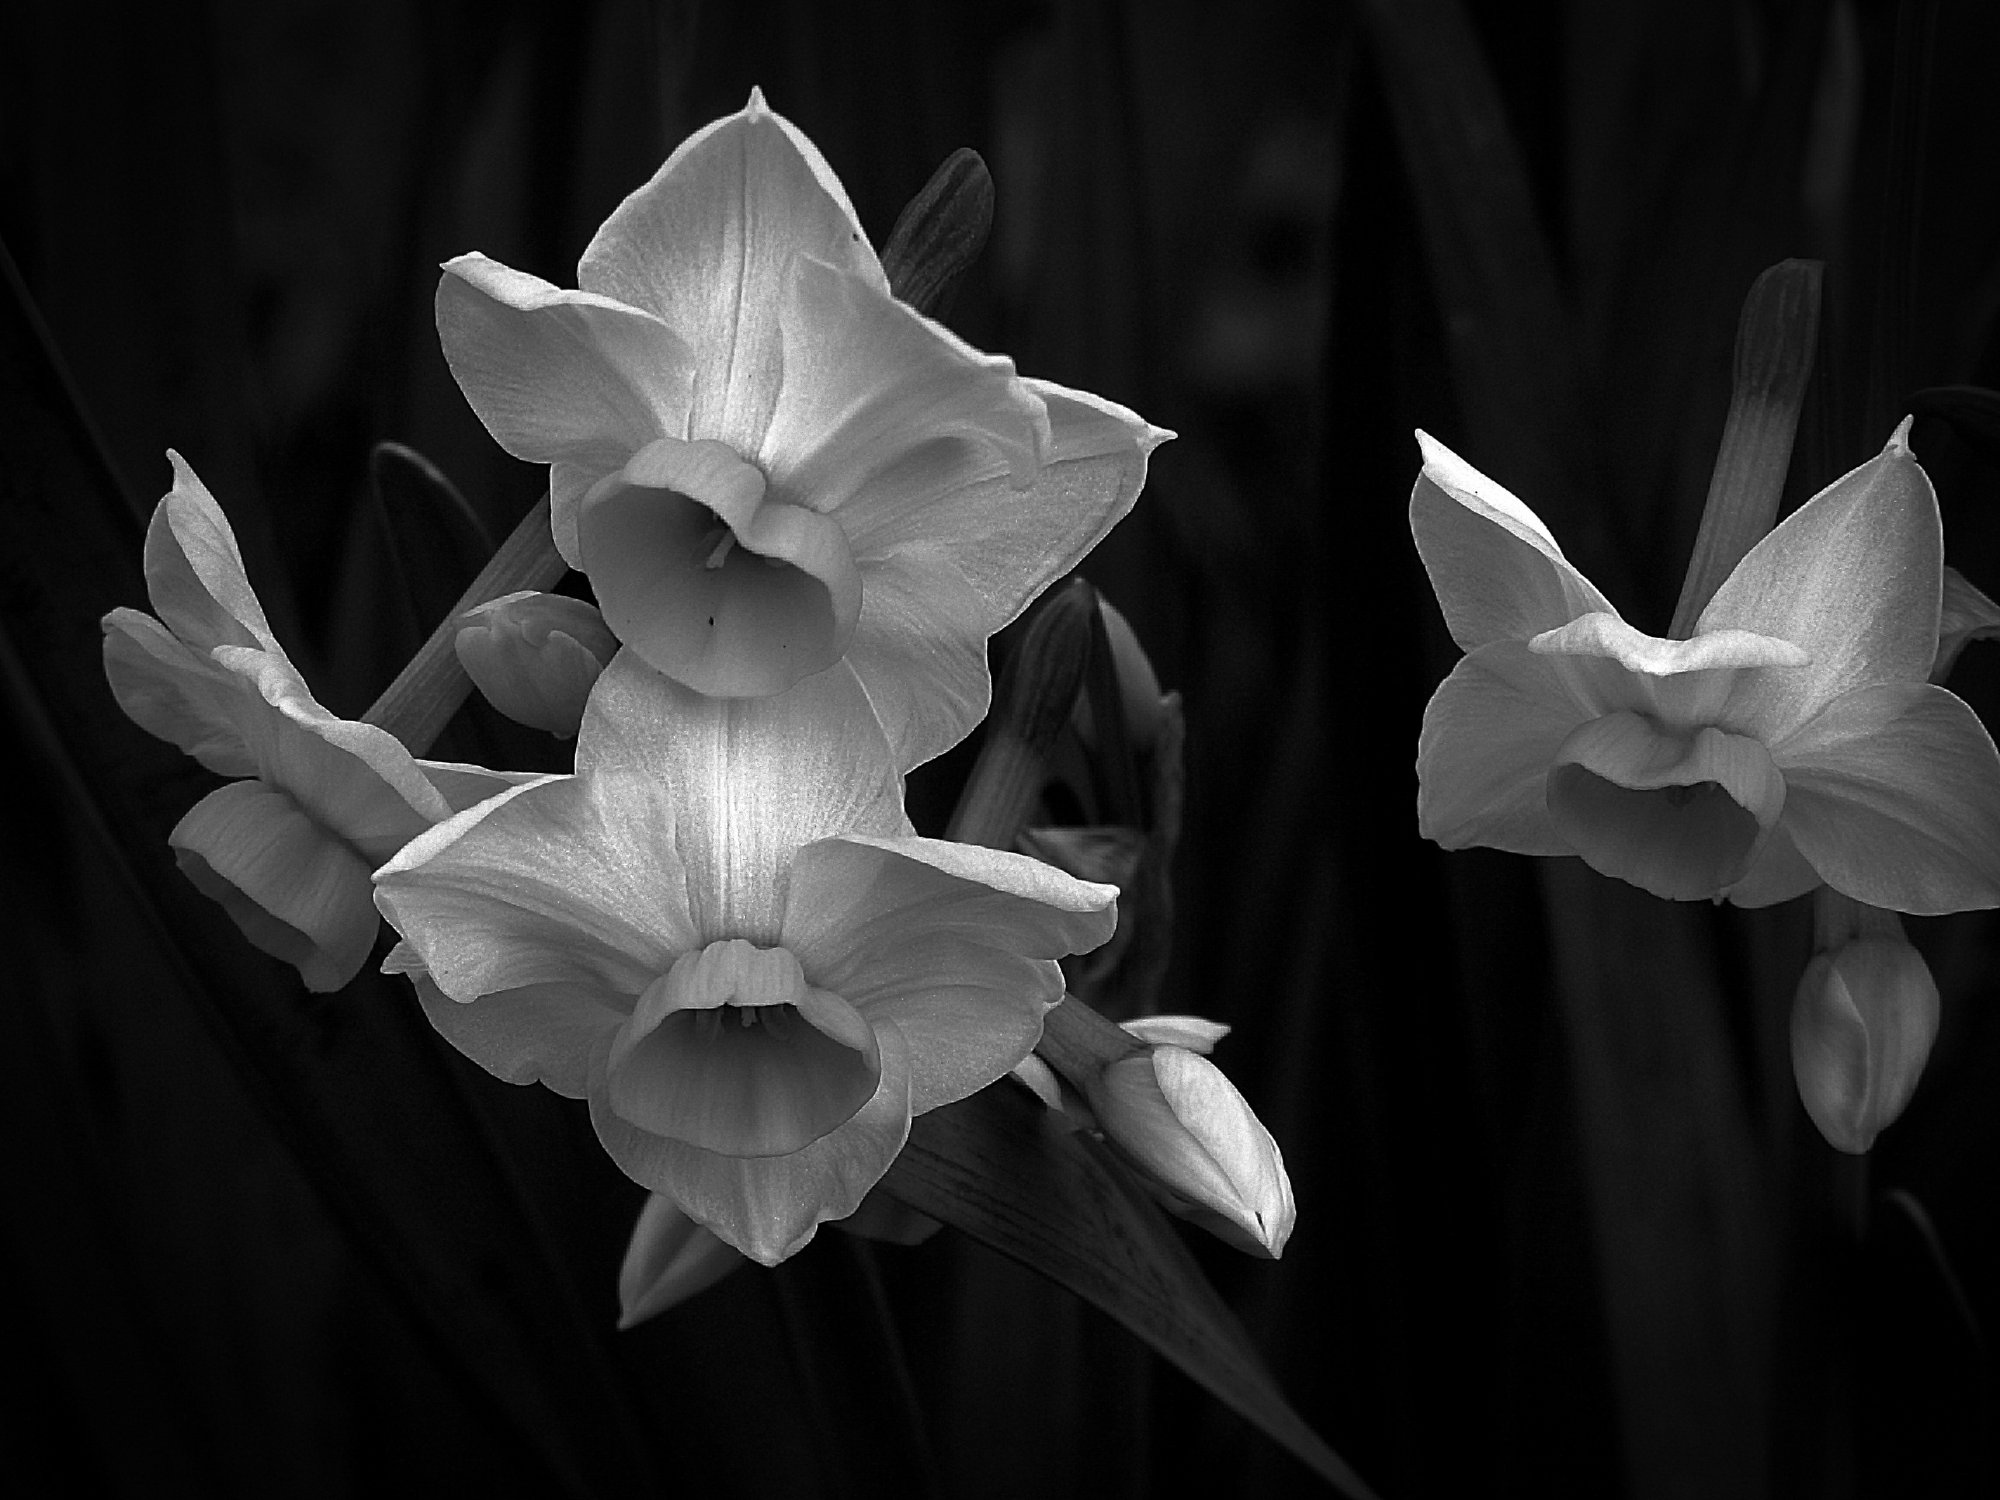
pixel 721 549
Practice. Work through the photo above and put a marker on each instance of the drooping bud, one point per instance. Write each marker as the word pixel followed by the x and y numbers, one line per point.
pixel 669 1259
pixel 1863 1021
pixel 1176 1116
pixel 536 657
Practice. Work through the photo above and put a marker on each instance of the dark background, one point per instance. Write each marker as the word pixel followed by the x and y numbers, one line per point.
pixel 1563 1225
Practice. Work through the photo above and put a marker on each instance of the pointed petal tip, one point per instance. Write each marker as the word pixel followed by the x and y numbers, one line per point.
pixel 1899 440
pixel 758 107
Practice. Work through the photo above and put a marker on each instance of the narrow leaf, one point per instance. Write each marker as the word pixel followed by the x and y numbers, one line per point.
pixel 1003 1169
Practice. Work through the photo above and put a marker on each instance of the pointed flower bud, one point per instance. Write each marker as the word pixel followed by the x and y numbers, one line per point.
pixel 1863 1021
pixel 536 657
pixel 1138 684
pixel 671 1257
pixel 1176 1115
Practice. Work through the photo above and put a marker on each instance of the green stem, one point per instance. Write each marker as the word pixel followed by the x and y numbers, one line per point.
pixel 426 693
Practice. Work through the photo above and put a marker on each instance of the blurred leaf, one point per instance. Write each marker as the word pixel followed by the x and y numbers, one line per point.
pixel 363 1094
pixel 1971 411
pixel 1005 1170
pixel 437 543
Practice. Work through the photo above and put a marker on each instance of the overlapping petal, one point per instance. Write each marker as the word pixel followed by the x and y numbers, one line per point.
pixel 544 1033
pixel 1894 798
pixel 1498 573
pixel 708 244
pixel 1490 734
pixel 669 1259
pixel 194 570
pixel 557 374
pixel 951 943
pixel 1853 578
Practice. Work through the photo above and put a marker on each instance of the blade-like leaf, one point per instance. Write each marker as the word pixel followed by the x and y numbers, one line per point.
pixel 1001 1167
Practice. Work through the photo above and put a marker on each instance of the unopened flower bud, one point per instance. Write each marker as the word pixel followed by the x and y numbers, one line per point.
pixel 1863 1022
pixel 536 657
pixel 1138 684
pixel 1176 1115
pixel 669 1259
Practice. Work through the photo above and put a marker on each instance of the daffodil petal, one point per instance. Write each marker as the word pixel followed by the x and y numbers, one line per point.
pixel 355 778
pixel 541 1033
pixel 1490 734
pixel 294 889
pixel 1604 634
pixel 170 692
pixel 744 783
pixel 1498 573
pixel 194 570
pixel 1853 577
pixel 871 383
pixel 1778 873
pixel 707 245
pixel 566 880
pixel 1679 816
pixel 558 374
pixel 769 1207
pixel 1894 797
pixel 953 943
pixel 669 1259
pixel 944 570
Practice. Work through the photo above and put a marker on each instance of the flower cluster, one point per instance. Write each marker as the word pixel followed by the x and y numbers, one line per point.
pixel 802 508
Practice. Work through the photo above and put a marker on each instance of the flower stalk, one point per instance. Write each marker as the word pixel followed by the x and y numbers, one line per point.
pixel 426 693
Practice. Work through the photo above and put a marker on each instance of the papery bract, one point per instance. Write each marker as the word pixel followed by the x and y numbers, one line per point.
pixel 1793 739
pixel 767 465
pixel 1178 1116
pixel 723 933
pixel 669 1259
pixel 287 854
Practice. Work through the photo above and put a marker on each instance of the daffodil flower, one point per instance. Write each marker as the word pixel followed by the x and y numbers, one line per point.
pixel 1791 740
pixel 287 850
pixel 767 465
pixel 722 932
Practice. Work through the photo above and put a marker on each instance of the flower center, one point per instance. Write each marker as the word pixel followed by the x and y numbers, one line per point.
pixel 732 1051
pixel 1680 815
pixel 711 581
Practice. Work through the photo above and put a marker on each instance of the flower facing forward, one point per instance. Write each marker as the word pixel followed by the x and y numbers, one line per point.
pixel 722 932
pixel 288 850
pixel 1793 739
pixel 767 465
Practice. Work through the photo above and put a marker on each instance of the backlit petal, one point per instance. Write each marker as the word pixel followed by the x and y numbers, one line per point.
pixel 1680 816
pixel 1498 573
pixel 870 383
pixel 1490 734
pixel 169 691
pixel 355 778
pixel 744 783
pixel 708 246
pixel 951 942
pixel 944 570
pixel 544 1033
pixel 1895 799
pixel 1853 576
pixel 296 891
pixel 194 570
pixel 768 1207
pixel 557 374
pixel 567 880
